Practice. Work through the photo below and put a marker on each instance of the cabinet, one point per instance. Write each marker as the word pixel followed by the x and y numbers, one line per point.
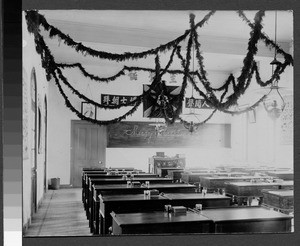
pixel 157 163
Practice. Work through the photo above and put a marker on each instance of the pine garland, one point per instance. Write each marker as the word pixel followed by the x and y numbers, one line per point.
pixel 35 20
pixel 94 121
pixel 176 113
pixel 91 76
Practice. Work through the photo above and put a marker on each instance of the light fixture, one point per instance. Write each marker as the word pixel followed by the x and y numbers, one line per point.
pixel 274 103
pixel 191 119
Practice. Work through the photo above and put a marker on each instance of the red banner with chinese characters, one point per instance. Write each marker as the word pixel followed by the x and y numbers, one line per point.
pixel 115 100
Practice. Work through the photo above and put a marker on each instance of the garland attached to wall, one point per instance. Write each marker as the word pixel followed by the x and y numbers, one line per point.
pixel 239 85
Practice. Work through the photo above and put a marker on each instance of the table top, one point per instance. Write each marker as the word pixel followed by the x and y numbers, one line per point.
pixel 133 179
pixel 175 170
pixel 191 196
pixel 281 193
pixel 280 172
pixel 258 184
pixel 128 197
pixel 232 178
pixel 170 168
pixel 221 174
pixel 157 218
pixel 121 175
pixel 246 213
pixel 151 186
pixel 166 196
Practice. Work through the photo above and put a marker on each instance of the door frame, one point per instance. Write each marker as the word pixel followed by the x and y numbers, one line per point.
pixel 73 123
pixel 34 168
pixel 45 143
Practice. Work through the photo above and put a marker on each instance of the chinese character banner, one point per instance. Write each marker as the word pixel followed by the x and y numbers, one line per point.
pixel 115 100
pixel 196 103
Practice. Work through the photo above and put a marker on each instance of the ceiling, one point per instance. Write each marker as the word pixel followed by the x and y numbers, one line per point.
pixel 224 35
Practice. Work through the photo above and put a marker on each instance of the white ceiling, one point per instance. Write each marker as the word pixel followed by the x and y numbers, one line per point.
pixel 225 34
pixel 221 24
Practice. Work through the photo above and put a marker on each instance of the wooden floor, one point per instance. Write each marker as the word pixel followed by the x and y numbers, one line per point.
pixel 61 214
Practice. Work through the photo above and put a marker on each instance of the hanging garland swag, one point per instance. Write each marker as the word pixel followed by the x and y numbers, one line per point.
pixel 239 85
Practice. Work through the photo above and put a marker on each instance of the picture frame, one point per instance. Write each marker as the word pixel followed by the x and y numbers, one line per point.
pixel 89 110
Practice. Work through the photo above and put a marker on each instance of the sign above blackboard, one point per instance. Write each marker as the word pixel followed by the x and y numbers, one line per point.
pixel 143 135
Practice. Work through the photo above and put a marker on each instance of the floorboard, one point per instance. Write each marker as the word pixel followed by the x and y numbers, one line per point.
pixel 60 214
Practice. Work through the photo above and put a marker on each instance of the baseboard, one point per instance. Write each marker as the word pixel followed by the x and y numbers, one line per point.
pixel 39 203
pixel 25 226
pixel 65 186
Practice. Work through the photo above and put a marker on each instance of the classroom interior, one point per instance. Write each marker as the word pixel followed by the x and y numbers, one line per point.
pixel 206 168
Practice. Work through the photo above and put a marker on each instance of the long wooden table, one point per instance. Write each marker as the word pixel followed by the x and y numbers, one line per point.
pixel 103 181
pixel 138 203
pixel 220 220
pixel 160 223
pixel 191 199
pixel 195 177
pixel 124 189
pixel 86 185
pixel 285 175
pixel 281 200
pixel 248 220
pixel 247 190
pixel 175 174
pixel 163 171
pixel 220 182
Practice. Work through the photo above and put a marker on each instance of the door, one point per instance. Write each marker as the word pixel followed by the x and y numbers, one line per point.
pixel 45 146
pixel 33 143
pixel 88 148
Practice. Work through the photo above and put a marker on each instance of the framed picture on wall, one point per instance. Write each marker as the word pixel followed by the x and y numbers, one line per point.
pixel 89 110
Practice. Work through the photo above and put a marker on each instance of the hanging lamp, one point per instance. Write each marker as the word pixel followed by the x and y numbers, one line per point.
pixel 191 119
pixel 274 103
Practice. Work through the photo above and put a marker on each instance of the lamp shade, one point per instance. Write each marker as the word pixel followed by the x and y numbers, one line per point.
pixel 274 103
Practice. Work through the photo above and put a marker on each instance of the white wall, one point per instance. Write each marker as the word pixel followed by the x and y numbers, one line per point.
pixel 260 143
pixel 60 117
pixel 251 143
pixel 32 60
pixel 195 157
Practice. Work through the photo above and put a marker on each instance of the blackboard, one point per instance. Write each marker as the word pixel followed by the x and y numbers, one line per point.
pixel 143 134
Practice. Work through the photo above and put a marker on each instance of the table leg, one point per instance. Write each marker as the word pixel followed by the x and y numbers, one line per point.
pixel 91 219
pixel 250 200
pixel 96 216
pixel 101 225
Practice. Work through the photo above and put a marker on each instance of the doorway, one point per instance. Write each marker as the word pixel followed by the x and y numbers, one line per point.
pixel 88 148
